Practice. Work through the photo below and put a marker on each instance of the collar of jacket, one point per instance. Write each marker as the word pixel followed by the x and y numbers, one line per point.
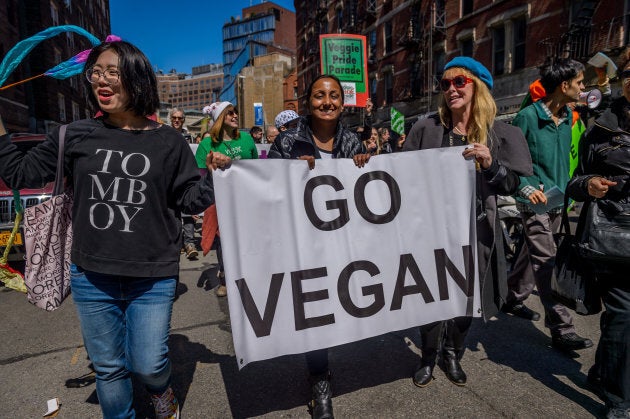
pixel 305 134
pixel 545 114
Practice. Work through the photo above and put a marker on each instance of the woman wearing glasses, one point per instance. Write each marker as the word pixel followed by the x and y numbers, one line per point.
pixel 603 173
pixel 465 116
pixel 226 140
pixel 131 177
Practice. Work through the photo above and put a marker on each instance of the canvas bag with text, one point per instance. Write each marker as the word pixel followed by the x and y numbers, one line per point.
pixel 48 241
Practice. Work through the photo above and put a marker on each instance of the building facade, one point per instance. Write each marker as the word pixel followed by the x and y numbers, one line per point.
pixel 264 85
pixel 38 105
pixel 409 41
pixel 191 92
pixel 263 29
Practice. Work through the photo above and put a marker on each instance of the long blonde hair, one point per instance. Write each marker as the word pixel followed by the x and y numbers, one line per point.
pixel 216 132
pixel 483 111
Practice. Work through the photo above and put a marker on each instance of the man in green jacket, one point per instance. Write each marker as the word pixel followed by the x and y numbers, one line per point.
pixel 547 126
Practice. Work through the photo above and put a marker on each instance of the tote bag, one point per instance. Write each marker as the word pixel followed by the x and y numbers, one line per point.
pixel 48 240
pixel 574 283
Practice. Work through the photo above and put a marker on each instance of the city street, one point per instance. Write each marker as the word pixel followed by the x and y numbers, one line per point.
pixel 512 369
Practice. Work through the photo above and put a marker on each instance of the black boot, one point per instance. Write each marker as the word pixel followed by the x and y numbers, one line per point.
pixel 423 375
pixel 431 335
pixel 452 368
pixel 321 404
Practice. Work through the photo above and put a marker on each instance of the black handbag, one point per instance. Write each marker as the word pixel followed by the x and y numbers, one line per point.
pixel 574 283
pixel 606 234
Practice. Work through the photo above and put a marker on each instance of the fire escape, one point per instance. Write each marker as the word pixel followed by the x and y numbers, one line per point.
pixel 435 27
pixel 411 40
pixel 575 43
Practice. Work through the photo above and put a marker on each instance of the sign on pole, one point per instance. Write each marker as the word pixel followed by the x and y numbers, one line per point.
pixel 258 114
pixel 397 121
pixel 344 56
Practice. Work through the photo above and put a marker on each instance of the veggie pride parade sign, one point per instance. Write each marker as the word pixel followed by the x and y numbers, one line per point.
pixel 344 56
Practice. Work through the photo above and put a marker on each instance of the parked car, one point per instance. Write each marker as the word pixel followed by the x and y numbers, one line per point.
pixel 28 197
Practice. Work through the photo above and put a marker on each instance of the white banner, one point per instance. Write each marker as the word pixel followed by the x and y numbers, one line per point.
pixel 318 258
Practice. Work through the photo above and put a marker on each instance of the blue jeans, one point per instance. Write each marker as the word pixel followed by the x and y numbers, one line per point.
pixel 125 324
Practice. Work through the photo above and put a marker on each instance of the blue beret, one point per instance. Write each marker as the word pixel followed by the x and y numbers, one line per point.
pixel 474 67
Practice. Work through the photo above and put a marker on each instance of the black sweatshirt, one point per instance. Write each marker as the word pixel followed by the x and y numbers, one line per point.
pixel 129 188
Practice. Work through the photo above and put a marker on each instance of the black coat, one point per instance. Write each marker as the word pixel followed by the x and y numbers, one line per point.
pixel 511 159
pixel 298 141
pixel 604 151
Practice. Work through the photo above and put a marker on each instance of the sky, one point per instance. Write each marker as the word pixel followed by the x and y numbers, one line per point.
pixel 178 34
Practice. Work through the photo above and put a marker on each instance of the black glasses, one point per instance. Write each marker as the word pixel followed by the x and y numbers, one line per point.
pixel 177 118
pixel 625 74
pixel 457 81
pixel 232 112
pixel 110 76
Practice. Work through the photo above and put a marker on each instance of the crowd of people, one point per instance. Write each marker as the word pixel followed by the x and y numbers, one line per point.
pixel 125 270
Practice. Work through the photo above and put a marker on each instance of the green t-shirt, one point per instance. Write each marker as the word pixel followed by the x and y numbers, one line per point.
pixel 242 147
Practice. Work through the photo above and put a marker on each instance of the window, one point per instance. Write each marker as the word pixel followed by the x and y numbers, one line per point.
pixel 520 33
pixel 373 89
pixel 61 104
pixel 372 45
pixel 466 47
pixel 387 35
pixel 76 113
pixel 509 32
pixel 498 46
pixel 54 14
pixel 467 7
pixel 339 20
pixel 389 87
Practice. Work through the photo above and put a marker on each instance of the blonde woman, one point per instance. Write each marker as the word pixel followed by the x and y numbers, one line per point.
pixel 466 116
pixel 224 139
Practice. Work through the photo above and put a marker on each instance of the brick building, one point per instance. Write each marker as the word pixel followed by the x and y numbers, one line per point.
pixel 409 41
pixel 40 104
pixel 191 92
pixel 268 81
pixel 263 29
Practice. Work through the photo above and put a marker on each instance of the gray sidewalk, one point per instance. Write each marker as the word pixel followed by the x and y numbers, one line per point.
pixel 512 369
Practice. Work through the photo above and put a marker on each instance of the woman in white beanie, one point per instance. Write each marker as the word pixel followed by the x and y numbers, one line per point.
pixel 225 138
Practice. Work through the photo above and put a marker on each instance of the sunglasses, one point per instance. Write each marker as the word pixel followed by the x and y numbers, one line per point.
pixel 232 112
pixel 457 81
pixel 625 74
pixel 177 118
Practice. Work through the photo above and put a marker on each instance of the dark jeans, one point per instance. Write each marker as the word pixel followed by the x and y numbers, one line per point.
pixel 188 231
pixel 613 352
pixel 216 244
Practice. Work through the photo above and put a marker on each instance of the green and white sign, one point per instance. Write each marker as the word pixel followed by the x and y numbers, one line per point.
pixel 397 121
pixel 344 56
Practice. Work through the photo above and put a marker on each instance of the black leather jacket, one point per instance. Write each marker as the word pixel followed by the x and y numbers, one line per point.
pixel 605 151
pixel 298 141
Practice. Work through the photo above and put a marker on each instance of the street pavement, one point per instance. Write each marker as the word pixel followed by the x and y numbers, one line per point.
pixel 512 370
